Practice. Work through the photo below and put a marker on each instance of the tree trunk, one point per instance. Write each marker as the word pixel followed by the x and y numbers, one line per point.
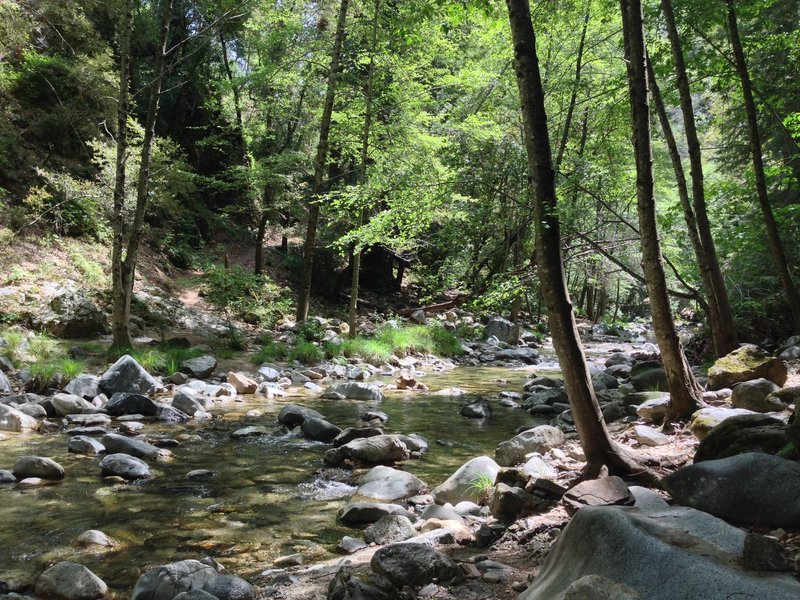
pixel 121 316
pixel 684 390
pixel 597 445
pixel 352 312
pixel 262 231
pixel 304 296
pixel 773 236
pixel 723 328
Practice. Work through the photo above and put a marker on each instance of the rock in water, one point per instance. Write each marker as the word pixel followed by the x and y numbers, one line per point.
pixel 364 513
pixel 70 581
pixel 125 466
pixel 12 419
pixel 479 409
pixel 743 364
pixel 539 439
pixel 749 489
pixel 293 415
pixel 38 466
pixel 127 375
pixel 388 484
pixel 319 430
pixel 673 553
pixel 503 329
pixel 415 565
pixel 356 390
pixel 167 581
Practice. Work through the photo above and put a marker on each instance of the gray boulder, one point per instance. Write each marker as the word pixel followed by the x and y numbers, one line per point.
pixel 372 450
pixel 72 315
pixel 37 466
pixel 749 489
pixel 70 581
pixel 123 403
pixel 188 403
pixel 539 439
pixel 386 484
pixel 37 411
pixel 127 375
pixel 269 372
pixel 674 553
pixel 199 367
pixel 320 430
pixel 125 466
pixel 706 419
pixel 389 529
pixel 356 390
pixel 119 444
pixel 479 409
pixel 654 409
pixel 249 431
pixel 743 364
pixel 752 395
pixel 167 581
pixel 84 386
pixel 523 354
pixel 654 379
pixel 415 565
pixel 503 329
pixel 293 415
pixel 508 501
pixel 70 404
pixel 620 358
pixel 5 384
pixel 7 476
pixel 353 433
pixel 741 434
pixel 348 585
pixel 12 419
pixel 364 513
pixel 82 444
pixel 230 587
pixel 461 485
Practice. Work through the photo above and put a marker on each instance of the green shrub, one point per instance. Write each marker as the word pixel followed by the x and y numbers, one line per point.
pixel 331 349
pixel 253 298
pixel 306 353
pixel 310 331
pixel 14 343
pixel 270 351
pixel 63 369
pixel 372 351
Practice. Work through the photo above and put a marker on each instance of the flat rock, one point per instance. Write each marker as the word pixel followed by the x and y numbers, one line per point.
pixel 250 431
pixel 749 489
pixel 356 390
pixel 647 436
pixel 119 444
pixel 607 491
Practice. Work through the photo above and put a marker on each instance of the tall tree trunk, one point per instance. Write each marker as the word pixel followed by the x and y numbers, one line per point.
pixel 352 313
pixel 121 310
pixel 684 390
pixel 723 328
pixel 119 321
pixel 258 268
pixel 597 445
pixel 773 236
pixel 304 296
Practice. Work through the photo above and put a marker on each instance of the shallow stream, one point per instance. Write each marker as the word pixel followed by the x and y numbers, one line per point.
pixel 269 495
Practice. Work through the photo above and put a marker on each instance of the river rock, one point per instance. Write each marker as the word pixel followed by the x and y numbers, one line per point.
pixel 124 403
pixel 250 431
pixel 7 476
pixel 12 419
pixel 167 581
pixel 82 444
pixel 743 364
pixel 539 439
pixel 389 529
pixel 37 411
pixel 242 383
pixel 523 354
pixel 293 415
pixel 348 585
pixel 127 376
pixel 607 491
pixel 752 395
pixel 170 414
pixel 356 390
pixel 70 581
pixel 84 386
pixel 655 409
pixel 372 450
pixel 364 513
pixel 509 501
pixel 386 484
pixel 415 565
pixel 706 419
pixel 269 372
pixel 119 444
pixel 319 430
pixel 69 404
pixel 460 485
pixel 741 434
pixel 674 553
pixel 649 380
pixel 751 489
pixel 647 436
pixel 479 409
pixel 503 329
pixel 200 367
pixel 353 433
pixel 5 384
pixel 125 466
pixel 37 466
pixel 620 358
pixel 230 587
pixel 93 537
pixel 188 403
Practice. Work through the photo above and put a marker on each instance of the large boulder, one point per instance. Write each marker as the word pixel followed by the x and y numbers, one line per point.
pixel 463 484
pixel 752 489
pixel 372 450
pixel 364 513
pixel 674 553
pixel 415 565
pixel 743 364
pixel 386 484
pixel 741 434
pixel 752 395
pixel 539 439
pixel 38 466
pixel 12 419
pixel 70 404
pixel 650 380
pixel 119 444
pixel 167 581
pixel 503 329
pixel 127 375
pixel 706 419
pixel 320 430
pixel 123 403
pixel 230 587
pixel 293 415
pixel 199 367
pixel 70 581
pixel 73 315
pixel 125 466
pixel 356 390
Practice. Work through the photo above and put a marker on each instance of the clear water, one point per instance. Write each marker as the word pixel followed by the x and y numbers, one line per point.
pixel 269 495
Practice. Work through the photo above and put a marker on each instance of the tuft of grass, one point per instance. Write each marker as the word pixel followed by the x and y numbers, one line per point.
pixel 389 341
pixel 480 487
pixel 42 347
pixel 161 359
pixel 306 353
pixel 62 369
pixel 373 351
pixel 14 343
pixel 270 351
pixel 331 349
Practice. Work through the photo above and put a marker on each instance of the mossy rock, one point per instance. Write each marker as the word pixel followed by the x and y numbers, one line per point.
pixel 743 364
